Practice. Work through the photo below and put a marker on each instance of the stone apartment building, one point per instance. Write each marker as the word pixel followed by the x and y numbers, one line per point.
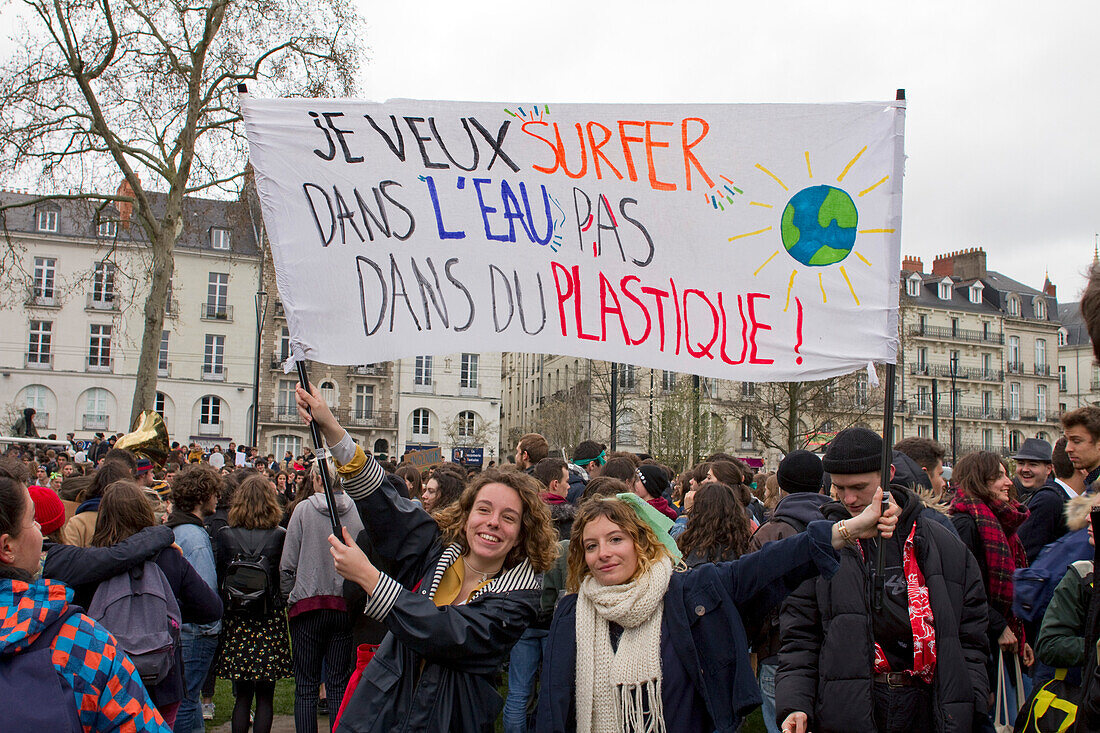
pixel 1078 372
pixel 74 285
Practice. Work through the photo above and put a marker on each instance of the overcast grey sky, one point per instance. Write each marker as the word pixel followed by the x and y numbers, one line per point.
pixel 1000 128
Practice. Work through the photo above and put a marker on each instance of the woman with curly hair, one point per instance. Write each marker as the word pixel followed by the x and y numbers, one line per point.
pixel 458 589
pixel 636 646
pixel 718 530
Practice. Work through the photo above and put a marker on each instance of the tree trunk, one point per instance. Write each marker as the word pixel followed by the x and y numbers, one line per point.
pixel 145 384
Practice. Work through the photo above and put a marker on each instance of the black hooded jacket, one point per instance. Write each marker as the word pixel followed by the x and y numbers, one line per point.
pixel 826 659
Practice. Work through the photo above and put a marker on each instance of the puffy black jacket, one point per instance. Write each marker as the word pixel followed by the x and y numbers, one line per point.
pixel 827 653
pixel 77 566
pixel 233 541
pixel 437 668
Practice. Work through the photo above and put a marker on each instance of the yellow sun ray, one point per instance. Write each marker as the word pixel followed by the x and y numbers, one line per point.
pixel 876 231
pixel 774 177
pixel 757 203
pixel 850 288
pixel 865 260
pixel 873 186
pixel 821 284
pixel 749 234
pixel 789 286
pixel 809 170
pixel 840 178
pixel 765 262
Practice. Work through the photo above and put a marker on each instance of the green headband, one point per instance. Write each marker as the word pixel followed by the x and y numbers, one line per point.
pixel 659 523
pixel 585 461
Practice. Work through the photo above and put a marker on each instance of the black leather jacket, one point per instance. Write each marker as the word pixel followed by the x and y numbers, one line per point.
pixel 232 541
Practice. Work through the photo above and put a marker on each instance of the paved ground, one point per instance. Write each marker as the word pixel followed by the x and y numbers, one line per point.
pixel 282 724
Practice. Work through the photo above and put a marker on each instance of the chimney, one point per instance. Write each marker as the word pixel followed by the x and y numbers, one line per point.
pixel 1050 288
pixel 912 264
pixel 944 265
pixel 966 264
pixel 125 208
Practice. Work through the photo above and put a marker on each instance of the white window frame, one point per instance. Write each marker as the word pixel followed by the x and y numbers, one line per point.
pixel 946 290
pixel 46 220
pixel 99 346
pixel 628 376
pixel 95 407
pixel 364 401
pixel 422 371
pixel 1040 353
pixel 107 228
pixel 976 293
pixel 280 444
pixel 210 412
pixel 466 424
pixel 668 380
pixel 39 342
pixel 163 367
pixel 213 357
pixel 45 274
pixel 220 238
pixel 103 283
pixel 468 372
pixel 217 295
pixel 912 286
pixel 1013 305
pixel 421 424
pixel 286 405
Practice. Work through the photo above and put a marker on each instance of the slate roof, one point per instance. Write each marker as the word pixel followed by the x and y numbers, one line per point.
pixel 79 219
pixel 1073 324
pixel 997 288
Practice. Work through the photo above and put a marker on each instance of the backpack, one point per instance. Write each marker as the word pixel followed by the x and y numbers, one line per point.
pixel 1034 585
pixel 247 586
pixel 48 702
pixel 140 610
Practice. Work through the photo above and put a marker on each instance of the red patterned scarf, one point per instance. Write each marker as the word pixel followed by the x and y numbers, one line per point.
pixel 920 618
pixel 1004 553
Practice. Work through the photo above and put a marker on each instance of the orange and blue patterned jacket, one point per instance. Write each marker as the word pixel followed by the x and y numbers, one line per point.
pixel 109 693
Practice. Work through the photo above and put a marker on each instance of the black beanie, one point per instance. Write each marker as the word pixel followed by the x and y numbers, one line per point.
pixel 654 479
pixel 800 472
pixel 854 450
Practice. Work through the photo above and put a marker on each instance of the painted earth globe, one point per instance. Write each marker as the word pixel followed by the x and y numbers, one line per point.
pixel 819 226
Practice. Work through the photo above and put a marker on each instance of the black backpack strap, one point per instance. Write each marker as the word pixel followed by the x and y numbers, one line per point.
pixel 247 543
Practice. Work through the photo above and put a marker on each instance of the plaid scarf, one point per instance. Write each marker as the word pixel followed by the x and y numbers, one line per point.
pixel 1004 553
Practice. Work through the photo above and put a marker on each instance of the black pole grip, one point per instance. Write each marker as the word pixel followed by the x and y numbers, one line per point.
pixel 318 444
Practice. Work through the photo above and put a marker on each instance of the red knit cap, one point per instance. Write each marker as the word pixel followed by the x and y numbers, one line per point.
pixel 49 512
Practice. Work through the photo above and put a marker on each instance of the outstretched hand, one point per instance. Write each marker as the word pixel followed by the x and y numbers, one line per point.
pixel 322 415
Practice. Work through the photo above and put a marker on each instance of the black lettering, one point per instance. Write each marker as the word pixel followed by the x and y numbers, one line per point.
pixel 493 271
pixel 458 284
pixel 368 215
pixel 641 228
pixel 420 140
pixel 399 148
pixel 359 260
pixel 519 304
pixel 395 277
pixel 496 144
pixel 412 222
pixel 340 136
pixel 473 145
pixel 331 145
pixel 345 213
pixel 427 292
pixel 582 221
pixel 325 240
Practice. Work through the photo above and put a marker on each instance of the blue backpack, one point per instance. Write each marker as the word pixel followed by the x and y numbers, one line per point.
pixel 29 676
pixel 1034 586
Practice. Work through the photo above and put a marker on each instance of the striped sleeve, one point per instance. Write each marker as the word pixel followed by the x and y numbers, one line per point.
pixel 362 475
pixel 384 597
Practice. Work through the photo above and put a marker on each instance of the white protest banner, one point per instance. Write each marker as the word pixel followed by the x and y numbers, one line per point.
pixel 747 242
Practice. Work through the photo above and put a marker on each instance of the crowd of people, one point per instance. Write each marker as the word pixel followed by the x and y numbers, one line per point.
pixel 603 592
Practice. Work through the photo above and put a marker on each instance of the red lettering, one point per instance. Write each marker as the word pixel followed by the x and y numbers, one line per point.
pixel 659 296
pixel 606 289
pixel 744 332
pixel 561 152
pixel 562 297
pixel 689 157
pixel 676 303
pixel 650 143
pixel 577 307
pixel 638 302
pixel 704 350
pixel 756 326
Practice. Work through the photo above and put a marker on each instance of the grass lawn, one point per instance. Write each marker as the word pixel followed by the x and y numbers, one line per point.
pixel 284 705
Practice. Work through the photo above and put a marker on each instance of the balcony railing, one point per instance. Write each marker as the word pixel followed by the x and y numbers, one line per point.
pixel 1042 370
pixel 970 373
pixel 98 364
pixel 371 418
pixel 1094 385
pixel 215 312
pixel 213 373
pixel 38 361
pixel 210 430
pixel 95 422
pixel 164 370
pixel 368 370
pixel 277 362
pixel 956 334
pixel 38 300
pixel 42 420
pixel 282 414
pixel 171 308
pixel 1014 367
pixel 104 302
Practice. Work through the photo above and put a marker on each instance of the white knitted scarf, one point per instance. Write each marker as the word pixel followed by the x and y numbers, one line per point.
pixel 620 690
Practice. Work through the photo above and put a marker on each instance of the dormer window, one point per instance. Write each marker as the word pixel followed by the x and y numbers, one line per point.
pixel 976 292
pixel 107 228
pixel 1063 335
pixel 912 286
pixel 219 238
pixel 1013 305
pixel 1040 306
pixel 46 220
pixel 946 289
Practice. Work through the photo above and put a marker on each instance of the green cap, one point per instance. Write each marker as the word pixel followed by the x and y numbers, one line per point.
pixel 659 523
